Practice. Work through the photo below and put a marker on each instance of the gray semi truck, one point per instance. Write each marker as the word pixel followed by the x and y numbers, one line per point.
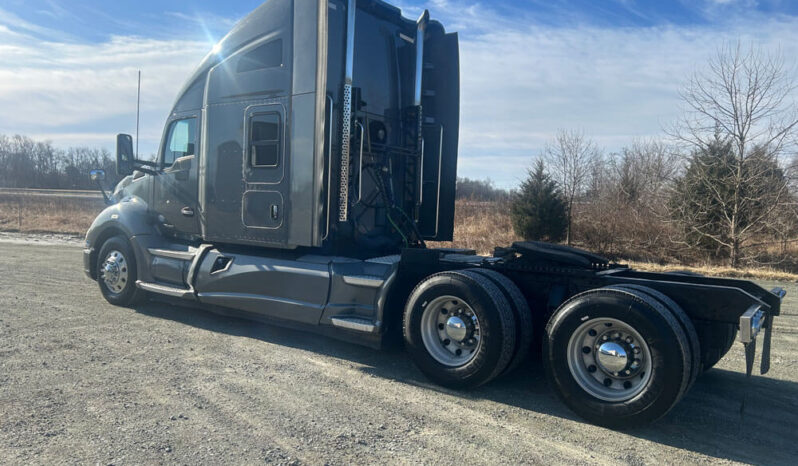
pixel 302 168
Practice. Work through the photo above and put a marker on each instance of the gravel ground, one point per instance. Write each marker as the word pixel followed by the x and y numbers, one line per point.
pixel 82 381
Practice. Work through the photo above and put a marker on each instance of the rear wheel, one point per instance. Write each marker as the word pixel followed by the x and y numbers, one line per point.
pixel 615 359
pixel 116 272
pixel 459 329
pixel 645 292
pixel 521 312
pixel 717 339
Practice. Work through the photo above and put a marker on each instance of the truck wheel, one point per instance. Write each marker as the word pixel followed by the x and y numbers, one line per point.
pixel 116 272
pixel 687 324
pixel 459 329
pixel 718 339
pixel 521 312
pixel 615 359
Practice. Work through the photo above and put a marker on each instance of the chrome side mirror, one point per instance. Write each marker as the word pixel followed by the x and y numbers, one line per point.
pixel 97 175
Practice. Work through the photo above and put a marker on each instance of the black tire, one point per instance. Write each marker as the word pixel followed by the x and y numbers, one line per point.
pixel 130 294
pixel 521 312
pixel 669 366
pixel 717 339
pixel 684 320
pixel 497 328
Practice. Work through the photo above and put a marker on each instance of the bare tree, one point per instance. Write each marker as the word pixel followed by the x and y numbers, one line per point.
pixel 571 157
pixel 743 99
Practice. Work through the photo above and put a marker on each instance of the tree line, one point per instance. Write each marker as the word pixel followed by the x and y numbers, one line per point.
pixel 720 186
pixel 27 163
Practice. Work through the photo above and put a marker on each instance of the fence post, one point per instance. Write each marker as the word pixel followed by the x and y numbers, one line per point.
pixel 19 213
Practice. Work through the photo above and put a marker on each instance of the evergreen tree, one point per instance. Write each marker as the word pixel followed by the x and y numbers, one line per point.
pixel 538 211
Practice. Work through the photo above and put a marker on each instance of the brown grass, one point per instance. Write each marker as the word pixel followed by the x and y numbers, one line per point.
pixel 481 226
pixel 760 273
pixel 47 214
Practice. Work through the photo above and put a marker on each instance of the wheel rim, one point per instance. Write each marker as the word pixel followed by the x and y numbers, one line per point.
pixel 114 272
pixel 609 359
pixel 450 331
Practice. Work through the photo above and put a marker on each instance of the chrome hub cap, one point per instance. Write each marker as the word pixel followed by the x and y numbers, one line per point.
pixel 456 328
pixel 450 331
pixel 609 359
pixel 612 357
pixel 113 272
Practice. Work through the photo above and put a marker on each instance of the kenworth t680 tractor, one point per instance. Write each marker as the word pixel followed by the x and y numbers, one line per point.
pixel 303 167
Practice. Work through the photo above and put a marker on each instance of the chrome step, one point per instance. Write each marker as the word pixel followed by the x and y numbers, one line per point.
pixel 357 324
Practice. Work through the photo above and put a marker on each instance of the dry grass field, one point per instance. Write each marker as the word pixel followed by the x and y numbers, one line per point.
pixel 479 225
pixel 36 213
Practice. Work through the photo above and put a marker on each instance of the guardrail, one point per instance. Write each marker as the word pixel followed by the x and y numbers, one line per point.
pixel 61 193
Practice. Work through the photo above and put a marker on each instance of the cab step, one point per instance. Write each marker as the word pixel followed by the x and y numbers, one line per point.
pixel 165 290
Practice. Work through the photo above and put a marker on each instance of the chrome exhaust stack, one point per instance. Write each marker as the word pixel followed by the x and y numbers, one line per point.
pixel 346 126
pixel 421 27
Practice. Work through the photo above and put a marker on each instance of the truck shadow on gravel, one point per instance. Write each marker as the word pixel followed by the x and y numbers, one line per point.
pixel 725 415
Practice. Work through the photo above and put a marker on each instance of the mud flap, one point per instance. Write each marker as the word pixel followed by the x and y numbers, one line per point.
pixel 752 322
pixel 764 366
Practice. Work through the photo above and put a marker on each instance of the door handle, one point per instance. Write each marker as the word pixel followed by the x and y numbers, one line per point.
pixel 187 211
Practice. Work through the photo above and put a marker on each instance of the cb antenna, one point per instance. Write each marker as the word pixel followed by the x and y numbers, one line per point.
pixel 138 106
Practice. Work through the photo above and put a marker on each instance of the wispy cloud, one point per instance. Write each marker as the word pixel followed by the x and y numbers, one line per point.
pixel 73 91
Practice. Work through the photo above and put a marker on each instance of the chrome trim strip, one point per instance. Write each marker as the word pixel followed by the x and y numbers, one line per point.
pixel 165 290
pixel 360 163
pixel 172 254
pixel 329 166
pixel 369 281
pixel 438 196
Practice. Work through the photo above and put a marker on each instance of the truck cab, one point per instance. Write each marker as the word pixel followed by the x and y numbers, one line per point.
pixel 315 137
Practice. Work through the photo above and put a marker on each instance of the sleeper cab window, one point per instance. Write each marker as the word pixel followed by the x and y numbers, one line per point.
pixel 268 55
pixel 180 141
pixel 264 140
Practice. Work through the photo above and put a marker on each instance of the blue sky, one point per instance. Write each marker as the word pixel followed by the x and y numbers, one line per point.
pixel 611 68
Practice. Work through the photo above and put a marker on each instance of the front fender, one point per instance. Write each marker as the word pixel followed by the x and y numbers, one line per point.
pixel 129 217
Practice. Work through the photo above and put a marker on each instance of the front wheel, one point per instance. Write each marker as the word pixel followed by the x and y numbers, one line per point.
pixel 616 359
pixel 116 272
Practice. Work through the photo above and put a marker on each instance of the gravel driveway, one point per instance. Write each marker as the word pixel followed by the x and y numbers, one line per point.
pixel 82 381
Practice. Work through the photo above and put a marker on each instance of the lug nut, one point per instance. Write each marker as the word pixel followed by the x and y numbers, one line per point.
pixel 628 339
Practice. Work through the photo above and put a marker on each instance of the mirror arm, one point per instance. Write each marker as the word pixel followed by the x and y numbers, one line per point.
pixel 106 199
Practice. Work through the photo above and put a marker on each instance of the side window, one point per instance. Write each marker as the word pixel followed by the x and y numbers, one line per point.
pixel 179 141
pixel 268 55
pixel 264 140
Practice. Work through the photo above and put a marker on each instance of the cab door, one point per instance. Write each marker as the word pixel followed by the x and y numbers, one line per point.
pixel 176 196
